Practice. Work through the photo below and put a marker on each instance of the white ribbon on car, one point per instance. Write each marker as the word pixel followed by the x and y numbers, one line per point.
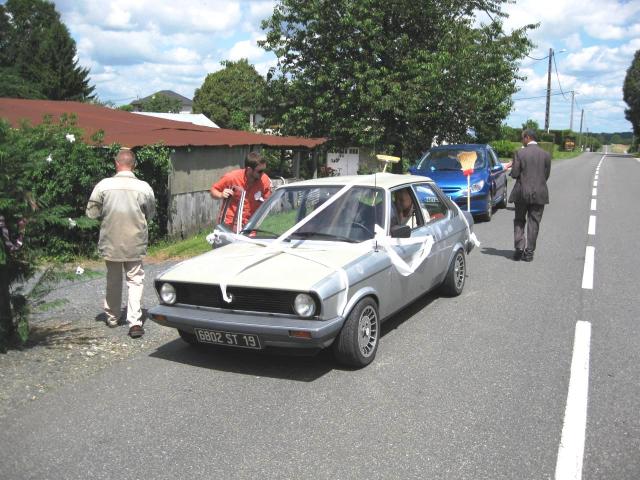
pixel 276 247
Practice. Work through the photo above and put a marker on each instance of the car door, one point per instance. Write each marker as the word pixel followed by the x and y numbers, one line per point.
pixel 438 225
pixel 405 288
pixel 497 173
pixel 431 218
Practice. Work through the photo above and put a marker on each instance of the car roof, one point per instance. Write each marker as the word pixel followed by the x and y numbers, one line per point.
pixel 381 180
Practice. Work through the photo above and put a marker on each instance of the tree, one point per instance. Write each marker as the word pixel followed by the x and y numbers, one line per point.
pixel 531 125
pixel 39 52
pixel 229 96
pixel 631 94
pixel 391 75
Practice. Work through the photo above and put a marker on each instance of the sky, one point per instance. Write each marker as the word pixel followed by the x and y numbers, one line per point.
pixel 136 47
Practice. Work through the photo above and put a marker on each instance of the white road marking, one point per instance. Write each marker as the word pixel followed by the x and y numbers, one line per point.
pixel 596 177
pixel 593 204
pixel 592 225
pixel 594 192
pixel 595 183
pixel 587 273
pixel 571 450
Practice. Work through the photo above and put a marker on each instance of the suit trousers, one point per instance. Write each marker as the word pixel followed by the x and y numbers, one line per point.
pixel 135 284
pixel 531 215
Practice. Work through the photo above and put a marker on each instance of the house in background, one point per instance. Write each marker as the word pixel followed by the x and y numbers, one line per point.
pixel 199 155
pixel 186 104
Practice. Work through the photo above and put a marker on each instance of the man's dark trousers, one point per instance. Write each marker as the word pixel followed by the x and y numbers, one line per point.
pixel 531 214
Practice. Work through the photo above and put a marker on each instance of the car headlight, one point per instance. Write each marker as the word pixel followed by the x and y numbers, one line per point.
pixel 168 293
pixel 475 187
pixel 304 305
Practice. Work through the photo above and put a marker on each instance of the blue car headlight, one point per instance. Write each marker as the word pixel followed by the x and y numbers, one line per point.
pixel 475 187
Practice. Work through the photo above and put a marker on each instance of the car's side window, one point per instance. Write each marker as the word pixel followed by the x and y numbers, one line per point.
pixel 431 205
pixel 404 209
pixel 494 158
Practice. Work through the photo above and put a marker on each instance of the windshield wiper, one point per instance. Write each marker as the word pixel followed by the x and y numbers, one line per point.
pixel 448 169
pixel 244 231
pixel 327 236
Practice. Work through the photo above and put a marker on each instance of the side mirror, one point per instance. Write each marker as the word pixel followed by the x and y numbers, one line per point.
pixel 498 168
pixel 221 242
pixel 400 231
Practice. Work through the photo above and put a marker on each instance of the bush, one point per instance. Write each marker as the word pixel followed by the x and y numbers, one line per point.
pixel 63 170
pixel 547 146
pixel 505 148
pixel 47 174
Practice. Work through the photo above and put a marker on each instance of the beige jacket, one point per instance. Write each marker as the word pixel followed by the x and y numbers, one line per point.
pixel 124 204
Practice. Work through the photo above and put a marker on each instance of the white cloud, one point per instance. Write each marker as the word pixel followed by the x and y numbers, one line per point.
pixel 246 49
pixel 573 41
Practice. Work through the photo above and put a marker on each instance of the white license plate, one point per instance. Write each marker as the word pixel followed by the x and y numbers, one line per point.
pixel 230 339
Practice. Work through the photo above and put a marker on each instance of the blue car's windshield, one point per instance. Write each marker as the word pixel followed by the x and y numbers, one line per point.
pixel 447 159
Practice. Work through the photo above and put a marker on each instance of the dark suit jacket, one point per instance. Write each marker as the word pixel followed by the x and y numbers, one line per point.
pixel 531 169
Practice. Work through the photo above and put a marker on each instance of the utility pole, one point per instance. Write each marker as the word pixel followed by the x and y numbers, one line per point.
pixel 571 119
pixel 580 136
pixel 546 113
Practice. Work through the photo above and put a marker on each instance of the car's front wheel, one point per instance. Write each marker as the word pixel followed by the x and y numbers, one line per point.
pixel 503 202
pixel 453 283
pixel 489 212
pixel 357 342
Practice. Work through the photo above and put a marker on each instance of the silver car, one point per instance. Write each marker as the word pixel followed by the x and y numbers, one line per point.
pixel 321 264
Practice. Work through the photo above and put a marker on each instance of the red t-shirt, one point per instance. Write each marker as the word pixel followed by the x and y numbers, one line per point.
pixel 259 191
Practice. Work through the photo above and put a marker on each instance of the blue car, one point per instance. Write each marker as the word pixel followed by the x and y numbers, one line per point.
pixel 488 180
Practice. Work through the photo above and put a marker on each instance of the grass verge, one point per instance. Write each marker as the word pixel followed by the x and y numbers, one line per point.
pixel 179 249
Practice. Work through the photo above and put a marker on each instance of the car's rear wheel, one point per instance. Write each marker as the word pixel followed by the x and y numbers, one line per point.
pixel 503 202
pixel 190 338
pixel 453 283
pixel 357 342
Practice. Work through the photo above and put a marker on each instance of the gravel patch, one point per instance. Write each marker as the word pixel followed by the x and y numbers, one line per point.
pixel 69 340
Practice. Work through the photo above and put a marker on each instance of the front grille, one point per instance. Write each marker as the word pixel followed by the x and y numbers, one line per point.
pixel 247 299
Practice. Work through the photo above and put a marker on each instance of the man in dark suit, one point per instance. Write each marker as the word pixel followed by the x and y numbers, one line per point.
pixel 531 169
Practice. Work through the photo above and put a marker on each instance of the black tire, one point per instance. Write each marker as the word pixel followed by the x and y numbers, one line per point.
pixel 453 283
pixel 486 216
pixel 190 338
pixel 357 342
pixel 503 202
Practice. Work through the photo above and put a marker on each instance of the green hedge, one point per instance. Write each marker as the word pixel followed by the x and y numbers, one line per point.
pixel 60 169
pixel 547 146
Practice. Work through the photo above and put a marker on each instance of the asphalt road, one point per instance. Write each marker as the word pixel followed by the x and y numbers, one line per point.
pixel 474 387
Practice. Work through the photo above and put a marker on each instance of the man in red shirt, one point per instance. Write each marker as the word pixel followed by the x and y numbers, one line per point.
pixel 252 179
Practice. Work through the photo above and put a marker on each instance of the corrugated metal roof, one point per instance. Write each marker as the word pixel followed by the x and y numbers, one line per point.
pixel 132 130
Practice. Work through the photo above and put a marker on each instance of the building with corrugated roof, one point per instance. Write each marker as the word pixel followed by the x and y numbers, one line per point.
pixel 199 155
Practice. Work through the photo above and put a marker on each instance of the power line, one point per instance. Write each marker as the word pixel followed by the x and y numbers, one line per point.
pixel 532 98
pixel 558 76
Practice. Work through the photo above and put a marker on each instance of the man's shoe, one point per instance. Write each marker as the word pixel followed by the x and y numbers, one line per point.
pixel 527 256
pixel 517 255
pixel 136 331
pixel 112 322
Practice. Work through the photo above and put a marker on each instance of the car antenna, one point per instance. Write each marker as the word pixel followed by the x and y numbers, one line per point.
pixel 375 187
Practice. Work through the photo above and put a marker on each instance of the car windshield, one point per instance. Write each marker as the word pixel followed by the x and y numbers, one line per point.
pixel 351 218
pixel 447 159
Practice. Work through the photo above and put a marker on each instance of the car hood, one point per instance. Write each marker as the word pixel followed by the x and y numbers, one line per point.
pixel 451 178
pixel 300 269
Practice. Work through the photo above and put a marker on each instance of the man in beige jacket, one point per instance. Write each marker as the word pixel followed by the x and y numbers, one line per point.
pixel 124 204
